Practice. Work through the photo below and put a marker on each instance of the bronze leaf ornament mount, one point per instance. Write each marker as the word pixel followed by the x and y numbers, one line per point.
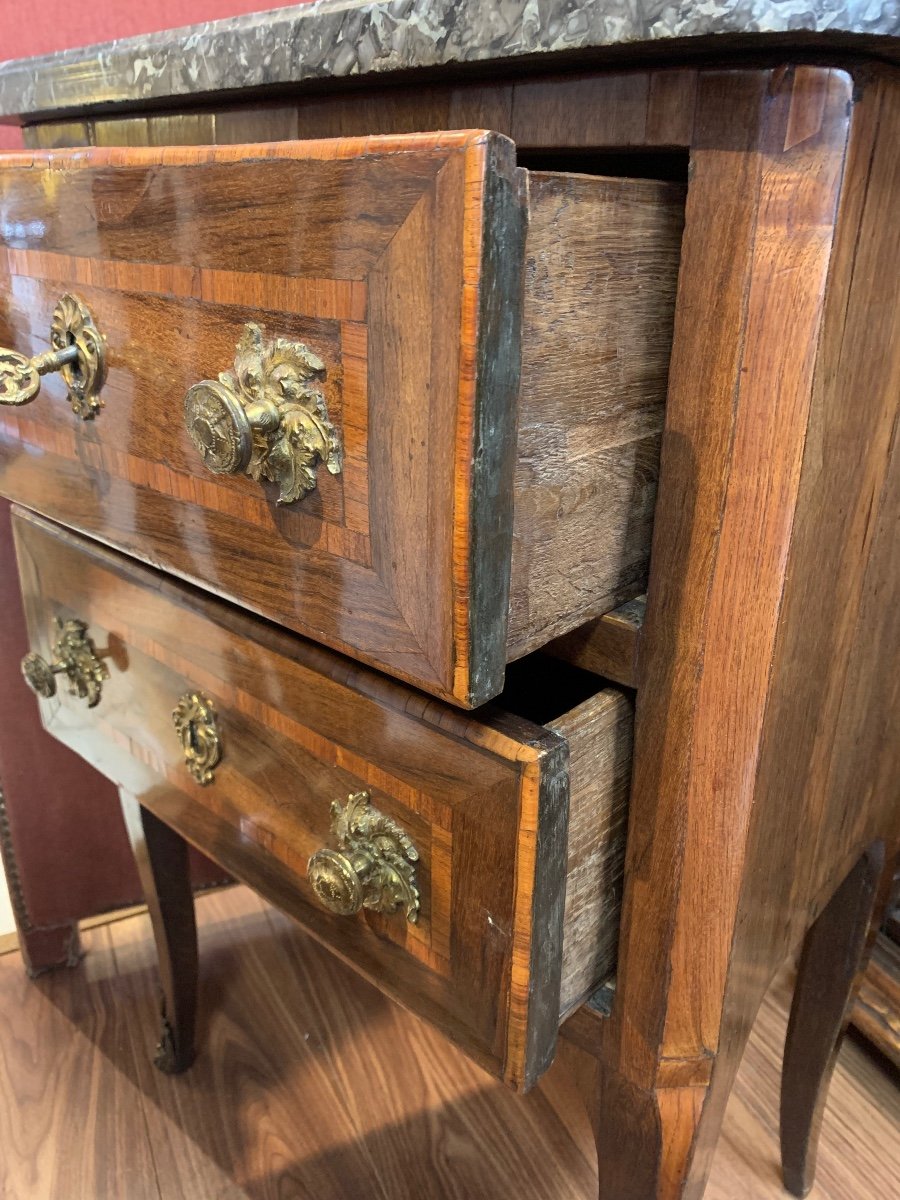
pixel 374 866
pixel 267 417
pixel 74 656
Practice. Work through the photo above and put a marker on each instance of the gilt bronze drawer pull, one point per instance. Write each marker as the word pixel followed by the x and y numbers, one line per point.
pixel 78 352
pixel 266 418
pixel 196 724
pixel 374 867
pixel 74 656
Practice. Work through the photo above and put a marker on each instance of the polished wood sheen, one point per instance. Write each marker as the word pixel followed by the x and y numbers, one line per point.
pixel 765 758
pixel 520 885
pixel 615 109
pixel 445 546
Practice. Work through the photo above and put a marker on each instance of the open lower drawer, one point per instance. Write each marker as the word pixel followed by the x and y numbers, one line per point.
pixel 437 446
pixel 475 876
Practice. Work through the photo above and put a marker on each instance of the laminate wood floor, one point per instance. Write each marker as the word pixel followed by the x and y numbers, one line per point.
pixel 310 1084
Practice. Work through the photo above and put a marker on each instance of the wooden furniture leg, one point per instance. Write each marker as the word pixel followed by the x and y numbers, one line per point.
pixel 829 975
pixel 162 860
pixel 44 949
pixel 644 1138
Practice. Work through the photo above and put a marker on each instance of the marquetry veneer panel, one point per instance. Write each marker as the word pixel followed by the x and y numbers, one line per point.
pixel 520 827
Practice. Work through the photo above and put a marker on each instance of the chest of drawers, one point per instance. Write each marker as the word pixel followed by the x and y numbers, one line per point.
pixel 343 582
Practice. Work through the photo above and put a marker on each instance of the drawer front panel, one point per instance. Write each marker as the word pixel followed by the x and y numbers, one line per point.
pixel 485 802
pixel 397 262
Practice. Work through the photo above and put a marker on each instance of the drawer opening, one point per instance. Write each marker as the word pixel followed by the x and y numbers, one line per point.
pixel 541 688
pixel 597 721
pixel 667 165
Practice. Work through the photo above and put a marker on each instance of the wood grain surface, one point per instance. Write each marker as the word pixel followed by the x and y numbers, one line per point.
pixel 608 646
pixel 601 265
pixel 828 748
pixel 598 733
pixel 388 1110
pixel 400 261
pixel 877 1011
pixel 485 801
pixel 615 108
pixel 764 761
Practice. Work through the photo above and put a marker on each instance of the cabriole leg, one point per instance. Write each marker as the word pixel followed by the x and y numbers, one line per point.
pixel 162 860
pixel 828 978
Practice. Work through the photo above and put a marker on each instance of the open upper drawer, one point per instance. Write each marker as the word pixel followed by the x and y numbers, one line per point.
pixel 435 448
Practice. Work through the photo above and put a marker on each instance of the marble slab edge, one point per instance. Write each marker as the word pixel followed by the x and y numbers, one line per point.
pixel 334 39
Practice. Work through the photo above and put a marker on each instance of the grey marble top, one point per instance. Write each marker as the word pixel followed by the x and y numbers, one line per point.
pixel 333 38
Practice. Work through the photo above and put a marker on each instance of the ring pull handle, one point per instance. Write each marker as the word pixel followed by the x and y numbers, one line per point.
pixel 373 868
pixel 78 352
pixel 75 656
pixel 267 417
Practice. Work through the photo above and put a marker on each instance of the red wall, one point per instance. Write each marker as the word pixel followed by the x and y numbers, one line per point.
pixel 39 26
